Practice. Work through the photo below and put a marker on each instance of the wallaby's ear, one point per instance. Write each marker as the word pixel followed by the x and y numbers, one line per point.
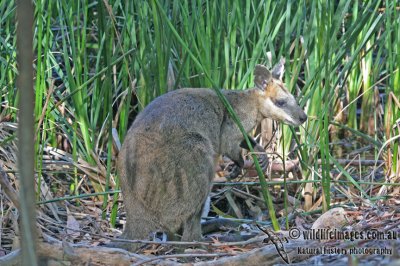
pixel 279 69
pixel 261 76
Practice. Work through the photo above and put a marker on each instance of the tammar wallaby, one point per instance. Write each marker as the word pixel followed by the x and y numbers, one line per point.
pixel 167 161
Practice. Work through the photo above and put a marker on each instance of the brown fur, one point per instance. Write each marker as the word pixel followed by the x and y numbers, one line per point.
pixel 167 161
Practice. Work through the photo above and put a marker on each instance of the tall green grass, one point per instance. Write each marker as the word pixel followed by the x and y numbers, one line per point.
pixel 109 59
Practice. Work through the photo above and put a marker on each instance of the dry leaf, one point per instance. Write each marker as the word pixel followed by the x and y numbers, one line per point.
pixel 72 225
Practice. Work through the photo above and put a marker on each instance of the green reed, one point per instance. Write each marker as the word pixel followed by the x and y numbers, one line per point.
pixel 99 63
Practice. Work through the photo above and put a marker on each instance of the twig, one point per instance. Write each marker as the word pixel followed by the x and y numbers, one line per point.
pixel 196 255
pixel 357 162
pixel 87 255
pixel 8 189
pixel 13 258
pixel 245 195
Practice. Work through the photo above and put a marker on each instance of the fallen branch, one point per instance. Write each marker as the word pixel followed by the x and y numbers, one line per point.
pixel 13 258
pixel 84 255
pixel 8 189
pixel 210 255
pixel 356 162
pixel 267 255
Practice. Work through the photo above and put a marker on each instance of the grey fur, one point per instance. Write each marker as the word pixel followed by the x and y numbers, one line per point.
pixel 167 161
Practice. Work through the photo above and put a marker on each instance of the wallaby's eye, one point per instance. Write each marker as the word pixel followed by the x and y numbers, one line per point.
pixel 280 103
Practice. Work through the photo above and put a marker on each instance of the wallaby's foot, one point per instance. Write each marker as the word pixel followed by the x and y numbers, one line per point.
pixel 192 229
pixel 234 171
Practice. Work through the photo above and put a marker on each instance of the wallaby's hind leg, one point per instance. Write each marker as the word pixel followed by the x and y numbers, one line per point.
pixel 195 183
pixel 192 228
pixel 166 191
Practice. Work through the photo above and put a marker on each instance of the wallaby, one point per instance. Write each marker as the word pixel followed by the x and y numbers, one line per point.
pixel 167 161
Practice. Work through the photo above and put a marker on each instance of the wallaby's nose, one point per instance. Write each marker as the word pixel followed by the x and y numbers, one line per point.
pixel 303 117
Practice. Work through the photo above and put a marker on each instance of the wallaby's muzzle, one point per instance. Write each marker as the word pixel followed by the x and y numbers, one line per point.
pixel 303 117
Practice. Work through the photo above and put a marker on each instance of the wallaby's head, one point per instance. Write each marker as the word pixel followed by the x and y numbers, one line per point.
pixel 275 100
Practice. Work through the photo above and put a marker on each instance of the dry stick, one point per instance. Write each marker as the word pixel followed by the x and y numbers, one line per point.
pixel 87 255
pixel 395 225
pixel 267 255
pixel 8 189
pixel 81 164
pixel 76 256
pixel 11 259
pixel 356 162
pixel 112 256
pixel 245 195
pixel 163 257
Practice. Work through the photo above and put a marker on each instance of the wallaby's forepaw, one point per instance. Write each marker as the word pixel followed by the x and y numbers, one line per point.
pixel 263 161
pixel 262 157
pixel 233 170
